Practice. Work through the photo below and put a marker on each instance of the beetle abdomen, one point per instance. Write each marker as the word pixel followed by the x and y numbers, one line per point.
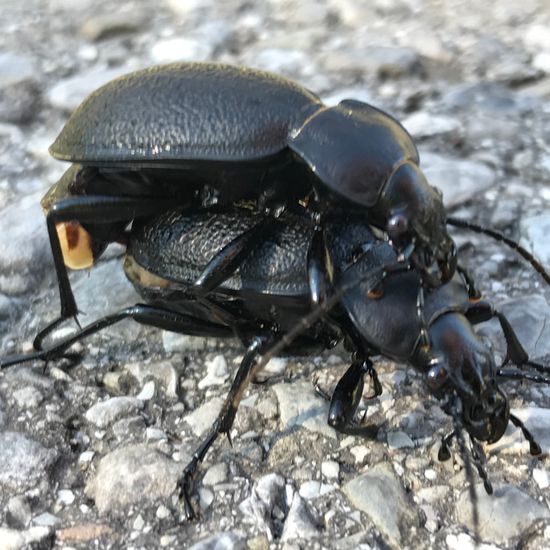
pixel 185 111
pixel 178 245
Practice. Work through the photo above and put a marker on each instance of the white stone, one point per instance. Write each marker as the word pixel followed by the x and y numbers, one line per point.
pixel 542 477
pixel 330 469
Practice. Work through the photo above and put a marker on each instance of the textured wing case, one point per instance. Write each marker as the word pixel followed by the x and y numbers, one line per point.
pixel 177 246
pixel 185 111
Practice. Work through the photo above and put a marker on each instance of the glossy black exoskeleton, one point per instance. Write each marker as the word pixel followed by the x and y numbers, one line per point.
pixel 271 298
pixel 200 134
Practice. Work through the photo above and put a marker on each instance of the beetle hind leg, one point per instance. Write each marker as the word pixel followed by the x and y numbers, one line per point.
pixel 223 422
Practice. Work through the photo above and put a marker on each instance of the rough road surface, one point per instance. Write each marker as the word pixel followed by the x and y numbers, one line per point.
pixel 89 456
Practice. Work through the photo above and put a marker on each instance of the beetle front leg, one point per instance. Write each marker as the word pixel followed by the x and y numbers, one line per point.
pixel 223 422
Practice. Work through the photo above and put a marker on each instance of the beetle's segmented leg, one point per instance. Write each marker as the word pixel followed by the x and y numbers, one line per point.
pixel 479 459
pixel 444 452
pixel 473 292
pixel 223 422
pixel 423 336
pixel 534 447
pixel 142 313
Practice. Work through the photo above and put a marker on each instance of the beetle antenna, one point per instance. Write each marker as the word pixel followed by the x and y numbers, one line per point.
pixel 534 447
pixel 498 236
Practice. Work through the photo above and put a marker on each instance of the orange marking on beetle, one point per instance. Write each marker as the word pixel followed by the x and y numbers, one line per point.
pixel 76 245
pixel 375 293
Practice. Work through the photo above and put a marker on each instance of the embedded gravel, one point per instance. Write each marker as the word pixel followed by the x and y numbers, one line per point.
pixel 90 453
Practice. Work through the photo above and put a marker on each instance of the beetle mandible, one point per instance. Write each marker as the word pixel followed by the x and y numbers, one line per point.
pixel 198 133
pixel 269 298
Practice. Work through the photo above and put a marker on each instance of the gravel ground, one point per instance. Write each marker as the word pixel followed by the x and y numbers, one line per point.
pixel 89 456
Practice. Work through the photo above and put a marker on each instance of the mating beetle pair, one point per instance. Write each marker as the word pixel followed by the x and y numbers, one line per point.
pixel 208 137
pixel 202 134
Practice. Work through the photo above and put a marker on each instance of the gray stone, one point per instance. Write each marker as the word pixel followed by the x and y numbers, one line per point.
pixel 380 495
pixel 46 519
pixel 464 541
pixel 537 37
pixel 458 179
pixel 68 94
pixel 174 342
pixel 383 61
pixel 102 26
pixel 163 372
pixel 19 90
pixel 202 418
pixel 529 316
pixel 216 372
pixel 314 489
pixel 35 537
pixel 180 49
pixel 132 475
pixel 221 541
pixel 281 60
pixel 534 236
pixel 24 245
pixel 423 124
pixel 18 512
pixel 399 440
pixel 503 515
pixel 298 522
pixel 268 492
pixel 489 98
pixel 28 397
pixel 23 461
pixel 106 412
pixel 299 405
pixel 216 474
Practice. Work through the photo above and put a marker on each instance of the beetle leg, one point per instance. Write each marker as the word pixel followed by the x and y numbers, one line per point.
pixel 231 256
pixel 223 422
pixel 473 292
pixel 318 268
pixel 423 336
pixel 142 313
pixel 347 396
pixel 91 209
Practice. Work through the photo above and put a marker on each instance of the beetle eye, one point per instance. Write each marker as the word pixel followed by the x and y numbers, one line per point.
pixel 397 226
pixel 436 377
pixel 76 245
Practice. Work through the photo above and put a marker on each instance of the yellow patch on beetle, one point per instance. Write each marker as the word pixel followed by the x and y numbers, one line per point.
pixel 137 273
pixel 76 245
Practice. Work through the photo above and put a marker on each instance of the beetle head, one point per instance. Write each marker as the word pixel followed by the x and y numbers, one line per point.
pixel 416 215
pixel 460 365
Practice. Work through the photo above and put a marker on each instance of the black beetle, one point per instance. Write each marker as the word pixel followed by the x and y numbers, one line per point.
pixel 199 134
pixel 270 298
